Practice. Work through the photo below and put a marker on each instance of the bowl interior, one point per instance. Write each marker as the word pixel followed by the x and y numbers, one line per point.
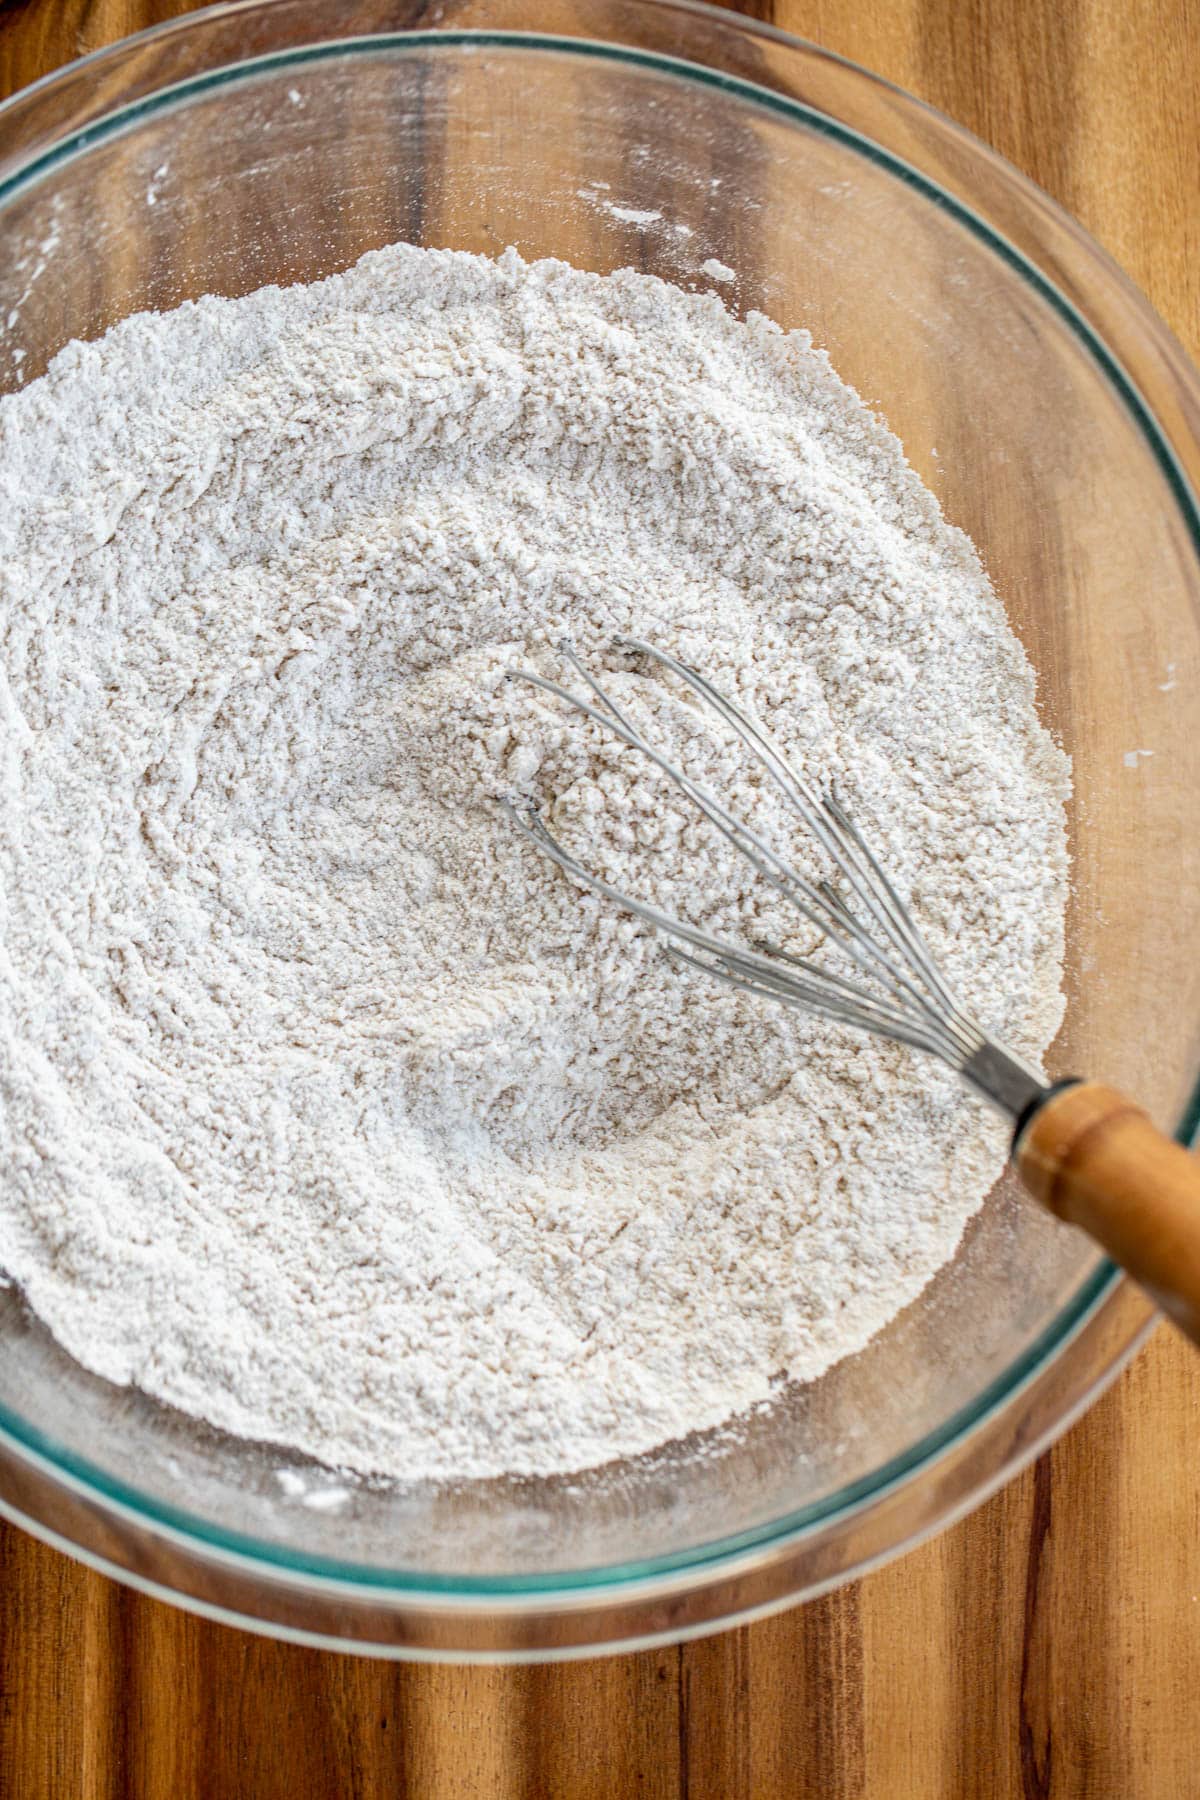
pixel 291 168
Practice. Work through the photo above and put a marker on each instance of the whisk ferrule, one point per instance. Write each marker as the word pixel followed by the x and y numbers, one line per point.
pixel 1011 1086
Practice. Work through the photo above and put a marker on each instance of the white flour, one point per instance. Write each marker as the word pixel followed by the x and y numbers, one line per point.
pixel 329 1110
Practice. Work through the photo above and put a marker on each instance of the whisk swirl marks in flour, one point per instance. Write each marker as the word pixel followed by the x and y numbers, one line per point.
pixel 330 1112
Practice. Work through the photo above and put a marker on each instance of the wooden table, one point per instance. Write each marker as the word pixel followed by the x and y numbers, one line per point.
pixel 1049 1646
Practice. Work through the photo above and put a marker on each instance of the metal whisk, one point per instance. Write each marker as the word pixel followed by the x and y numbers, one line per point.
pixel 1087 1153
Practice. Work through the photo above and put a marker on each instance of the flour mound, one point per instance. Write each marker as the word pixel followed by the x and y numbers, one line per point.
pixel 329 1110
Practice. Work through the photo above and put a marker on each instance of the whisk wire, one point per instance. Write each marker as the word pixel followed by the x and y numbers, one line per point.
pixel 828 823
pixel 761 855
pixel 813 990
pixel 909 1000
pixel 899 1028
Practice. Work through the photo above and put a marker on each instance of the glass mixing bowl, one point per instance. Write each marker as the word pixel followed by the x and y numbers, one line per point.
pixel 1056 420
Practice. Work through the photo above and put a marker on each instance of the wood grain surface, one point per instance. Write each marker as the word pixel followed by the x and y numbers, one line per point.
pixel 1048 1646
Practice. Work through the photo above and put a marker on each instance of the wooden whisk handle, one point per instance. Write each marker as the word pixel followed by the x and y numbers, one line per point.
pixel 1092 1157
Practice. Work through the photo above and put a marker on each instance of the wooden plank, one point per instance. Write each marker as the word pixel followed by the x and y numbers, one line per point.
pixel 1047 1646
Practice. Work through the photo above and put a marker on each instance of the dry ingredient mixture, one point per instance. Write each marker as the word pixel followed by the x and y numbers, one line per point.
pixel 329 1110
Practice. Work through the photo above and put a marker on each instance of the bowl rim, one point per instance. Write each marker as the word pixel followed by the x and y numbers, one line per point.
pixel 1099 1287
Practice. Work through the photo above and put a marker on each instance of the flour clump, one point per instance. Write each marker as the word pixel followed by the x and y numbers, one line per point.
pixel 329 1111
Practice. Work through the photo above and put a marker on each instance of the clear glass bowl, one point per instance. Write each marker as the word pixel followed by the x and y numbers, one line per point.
pixel 1056 420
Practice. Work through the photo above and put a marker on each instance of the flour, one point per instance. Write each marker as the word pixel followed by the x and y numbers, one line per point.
pixel 329 1110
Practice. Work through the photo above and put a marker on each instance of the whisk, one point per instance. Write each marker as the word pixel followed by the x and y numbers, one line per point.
pixel 1084 1151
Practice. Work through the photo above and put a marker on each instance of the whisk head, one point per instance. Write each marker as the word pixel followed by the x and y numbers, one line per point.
pixel 896 990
